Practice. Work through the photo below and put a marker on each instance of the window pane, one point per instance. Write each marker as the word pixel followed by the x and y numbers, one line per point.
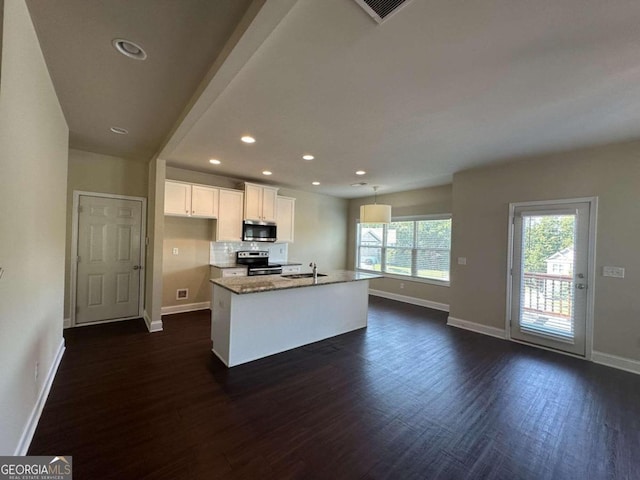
pixel 400 234
pixel 433 264
pixel 371 234
pixel 434 234
pixel 393 245
pixel 370 258
pixel 398 261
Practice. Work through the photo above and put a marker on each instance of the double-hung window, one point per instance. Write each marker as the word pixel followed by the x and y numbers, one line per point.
pixel 416 247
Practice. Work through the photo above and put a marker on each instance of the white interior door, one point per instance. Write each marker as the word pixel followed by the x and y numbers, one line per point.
pixel 109 259
pixel 549 275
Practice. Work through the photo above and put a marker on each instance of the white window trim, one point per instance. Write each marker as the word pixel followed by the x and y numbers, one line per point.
pixel 406 278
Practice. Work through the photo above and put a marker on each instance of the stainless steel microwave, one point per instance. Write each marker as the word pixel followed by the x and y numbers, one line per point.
pixel 259 231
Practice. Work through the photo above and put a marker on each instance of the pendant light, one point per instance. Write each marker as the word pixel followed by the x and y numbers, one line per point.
pixel 375 213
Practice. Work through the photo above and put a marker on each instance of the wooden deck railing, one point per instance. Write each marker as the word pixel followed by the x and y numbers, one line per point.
pixel 549 294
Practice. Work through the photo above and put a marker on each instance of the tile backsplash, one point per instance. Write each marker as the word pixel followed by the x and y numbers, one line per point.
pixel 225 252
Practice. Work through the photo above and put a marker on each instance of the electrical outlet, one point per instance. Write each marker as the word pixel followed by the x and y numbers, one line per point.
pixel 462 260
pixel 175 251
pixel 401 284
pixel 616 272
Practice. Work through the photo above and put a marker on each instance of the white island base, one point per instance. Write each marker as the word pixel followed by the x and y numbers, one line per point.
pixel 250 326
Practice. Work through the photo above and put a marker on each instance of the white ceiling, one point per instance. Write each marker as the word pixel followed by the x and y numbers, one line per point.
pixel 99 88
pixel 441 86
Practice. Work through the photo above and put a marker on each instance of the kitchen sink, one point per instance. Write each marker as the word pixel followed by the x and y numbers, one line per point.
pixel 294 276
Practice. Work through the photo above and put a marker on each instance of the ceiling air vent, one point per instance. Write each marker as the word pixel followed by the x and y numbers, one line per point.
pixel 380 10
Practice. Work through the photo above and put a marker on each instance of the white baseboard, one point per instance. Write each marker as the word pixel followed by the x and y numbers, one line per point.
pixel 187 307
pixel 66 323
pixel 34 418
pixel 476 327
pixel 151 325
pixel 407 299
pixel 614 361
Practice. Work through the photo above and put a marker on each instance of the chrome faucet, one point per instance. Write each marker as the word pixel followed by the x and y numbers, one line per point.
pixel 315 271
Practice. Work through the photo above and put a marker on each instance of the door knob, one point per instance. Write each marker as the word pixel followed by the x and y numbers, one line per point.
pixel 137 267
pixel 580 286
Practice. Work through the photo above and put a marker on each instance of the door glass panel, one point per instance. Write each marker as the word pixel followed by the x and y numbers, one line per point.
pixel 547 285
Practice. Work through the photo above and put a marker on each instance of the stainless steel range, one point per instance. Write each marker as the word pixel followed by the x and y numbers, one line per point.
pixel 257 262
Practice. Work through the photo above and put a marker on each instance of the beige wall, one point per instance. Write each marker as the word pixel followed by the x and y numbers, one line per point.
pixel 320 233
pixel 423 201
pixel 480 233
pixel 202 178
pixel 33 177
pixel 92 172
pixel 190 268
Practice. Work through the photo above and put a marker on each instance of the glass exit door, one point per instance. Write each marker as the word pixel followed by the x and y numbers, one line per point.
pixel 549 275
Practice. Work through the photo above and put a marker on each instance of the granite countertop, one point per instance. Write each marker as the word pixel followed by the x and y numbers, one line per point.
pixel 236 265
pixel 227 265
pixel 268 283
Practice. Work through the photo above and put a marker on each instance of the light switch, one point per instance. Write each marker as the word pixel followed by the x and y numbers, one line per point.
pixel 462 260
pixel 616 272
pixel 175 251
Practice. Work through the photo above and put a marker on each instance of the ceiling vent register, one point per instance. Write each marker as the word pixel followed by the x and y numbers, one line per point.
pixel 380 10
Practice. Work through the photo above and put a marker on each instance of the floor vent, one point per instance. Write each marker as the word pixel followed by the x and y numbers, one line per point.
pixel 380 10
pixel 182 294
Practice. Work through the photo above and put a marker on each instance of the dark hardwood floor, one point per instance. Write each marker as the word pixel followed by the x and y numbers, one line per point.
pixel 406 398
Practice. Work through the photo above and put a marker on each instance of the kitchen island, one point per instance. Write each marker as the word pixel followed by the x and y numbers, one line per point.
pixel 254 317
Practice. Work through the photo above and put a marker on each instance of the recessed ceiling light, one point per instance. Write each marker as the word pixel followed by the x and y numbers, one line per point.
pixel 215 161
pixel 119 130
pixel 360 172
pixel 359 184
pixel 315 183
pixel 248 139
pixel 129 49
pixel 308 157
pixel 266 172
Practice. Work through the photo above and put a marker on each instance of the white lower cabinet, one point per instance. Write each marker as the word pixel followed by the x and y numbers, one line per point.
pixel 217 272
pixel 234 272
pixel 289 269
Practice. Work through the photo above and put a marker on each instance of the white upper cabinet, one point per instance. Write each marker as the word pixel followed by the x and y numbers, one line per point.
pixel 285 218
pixel 177 198
pixel 187 200
pixel 229 224
pixel 204 201
pixel 260 202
